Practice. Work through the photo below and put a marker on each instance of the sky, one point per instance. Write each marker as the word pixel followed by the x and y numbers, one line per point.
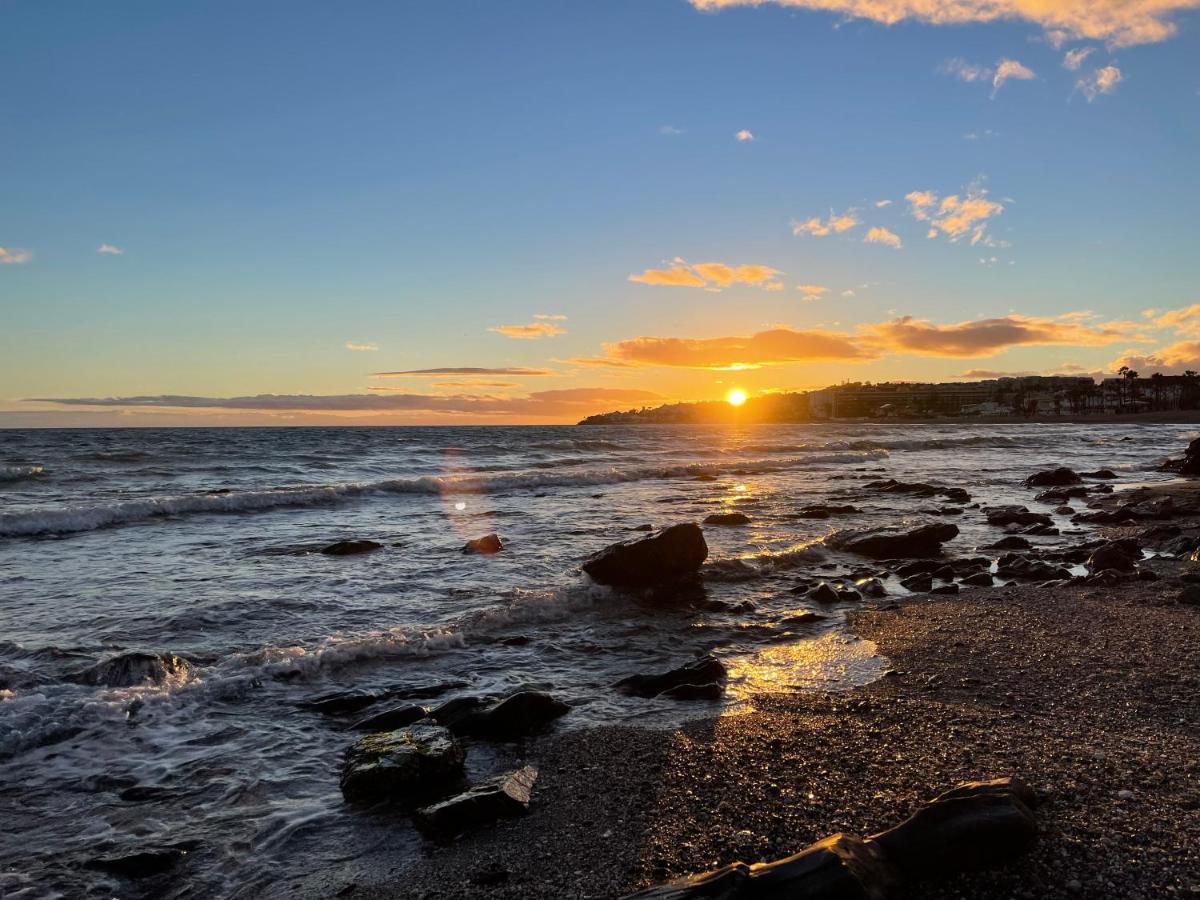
pixel 290 212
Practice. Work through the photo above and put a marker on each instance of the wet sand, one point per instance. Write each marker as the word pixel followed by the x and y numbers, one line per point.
pixel 1090 693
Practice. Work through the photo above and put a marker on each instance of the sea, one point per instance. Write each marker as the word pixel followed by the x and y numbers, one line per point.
pixel 204 543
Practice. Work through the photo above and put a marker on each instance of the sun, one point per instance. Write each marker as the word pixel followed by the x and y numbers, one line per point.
pixel 736 397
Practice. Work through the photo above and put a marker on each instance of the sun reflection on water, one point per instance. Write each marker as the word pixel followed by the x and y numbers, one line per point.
pixel 829 662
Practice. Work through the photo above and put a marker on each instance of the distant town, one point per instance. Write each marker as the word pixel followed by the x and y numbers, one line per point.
pixel 1018 398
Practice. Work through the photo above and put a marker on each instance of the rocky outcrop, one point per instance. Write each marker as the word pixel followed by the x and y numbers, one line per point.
pixel 1190 464
pixel 919 489
pixel 504 797
pixel 145 863
pixel 350 548
pixel 1015 515
pixel 670 555
pixel 129 669
pixel 733 518
pixel 886 543
pixel 1099 473
pixel 403 766
pixel 1115 555
pixel 1012 565
pixel 486 545
pixel 977 825
pixel 516 716
pixel 391 719
pixel 824 511
pixel 1053 478
pixel 707 670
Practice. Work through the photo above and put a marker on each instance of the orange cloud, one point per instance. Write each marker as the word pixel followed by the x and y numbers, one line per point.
pixel 462 370
pixel 542 327
pixel 987 337
pixel 13 256
pixel 955 216
pixel 710 275
pixel 832 225
pixel 766 348
pixel 883 236
pixel 1100 81
pixel 812 292
pixel 1119 22
pixel 1185 321
pixel 1174 359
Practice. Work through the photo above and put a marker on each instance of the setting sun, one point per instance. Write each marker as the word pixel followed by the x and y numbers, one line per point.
pixel 736 397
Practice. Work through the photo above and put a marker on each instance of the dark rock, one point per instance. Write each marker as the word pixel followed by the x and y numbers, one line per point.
pixel 919 567
pixel 486 545
pixel 458 712
pixel 919 489
pixel 1189 596
pixel 1112 556
pixel 1012 542
pixel 846 595
pixel 129 669
pixel 340 702
pixel 706 670
pixel 979 579
pixel 823 511
pixel 673 554
pixel 712 691
pixel 350 548
pixel 1062 495
pixel 871 587
pixel 923 541
pixel 517 716
pixel 391 719
pixel 1053 478
pixel 734 518
pixel 504 797
pixel 144 793
pixel 945 589
pixel 1190 464
pixel 918 584
pixel 646 527
pixel 403 766
pixel 1065 510
pixel 945 573
pixel 1015 515
pixel 823 593
pixel 143 864
pixel 1099 473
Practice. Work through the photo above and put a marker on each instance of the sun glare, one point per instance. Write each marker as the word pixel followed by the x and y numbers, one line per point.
pixel 736 397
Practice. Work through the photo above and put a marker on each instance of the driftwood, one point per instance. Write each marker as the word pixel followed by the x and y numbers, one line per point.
pixel 978 824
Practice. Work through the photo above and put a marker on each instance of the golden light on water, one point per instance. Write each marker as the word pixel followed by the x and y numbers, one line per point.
pixel 736 397
pixel 830 661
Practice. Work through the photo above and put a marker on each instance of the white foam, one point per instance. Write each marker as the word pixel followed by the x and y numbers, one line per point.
pixel 20 473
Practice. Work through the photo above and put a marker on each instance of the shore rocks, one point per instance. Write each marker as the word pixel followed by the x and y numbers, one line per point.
pixel 882 543
pixel 391 719
pixel 976 825
pixel 503 797
pixel 733 518
pixel 823 511
pixel 979 579
pixel 823 593
pixel 704 671
pixel 1059 477
pixel 1112 556
pixel 918 584
pixel 672 554
pixel 1012 542
pixel 919 489
pixel 1190 464
pixel 1099 473
pixel 1012 565
pixel 402 766
pixel 143 864
pixel 350 548
pixel 486 545
pixel 516 716
pixel 129 669
pixel 1015 515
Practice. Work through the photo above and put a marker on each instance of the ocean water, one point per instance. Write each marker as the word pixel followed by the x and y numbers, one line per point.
pixel 199 542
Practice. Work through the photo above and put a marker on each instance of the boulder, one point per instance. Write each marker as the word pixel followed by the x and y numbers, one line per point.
pixel 504 797
pixel 918 584
pixel 1099 473
pixel 672 554
pixel 979 579
pixel 871 587
pixel 1112 556
pixel 1012 542
pixel 823 593
pixel 1189 596
pixel 733 518
pixel 945 589
pixel 703 671
pixel 517 716
pixel 919 489
pixel 129 669
pixel 1053 478
pixel 823 511
pixel 143 864
pixel 1190 464
pixel 883 543
pixel 486 545
pixel 391 719
pixel 714 690
pixel 350 548
pixel 1016 515
pixel 403 766
pixel 1062 495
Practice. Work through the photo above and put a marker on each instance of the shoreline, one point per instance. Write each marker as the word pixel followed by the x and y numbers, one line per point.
pixel 1087 691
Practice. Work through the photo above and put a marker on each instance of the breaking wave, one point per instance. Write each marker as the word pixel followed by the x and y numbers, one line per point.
pixel 20 473
pixel 74 519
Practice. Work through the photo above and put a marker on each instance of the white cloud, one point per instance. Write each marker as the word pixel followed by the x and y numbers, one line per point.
pixel 1099 81
pixel 881 204
pixel 1005 70
pixel 1074 58
pixel 812 292
pixel 361 348
pixel 964 71
pixel 110 250
pixel 669 130
pixel 745 135
pixel 14 256
pixel 1008 69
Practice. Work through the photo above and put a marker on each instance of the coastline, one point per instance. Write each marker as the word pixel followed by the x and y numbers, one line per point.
pixel 1087 691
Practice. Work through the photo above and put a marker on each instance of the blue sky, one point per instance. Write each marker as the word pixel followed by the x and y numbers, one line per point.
pixel 283 179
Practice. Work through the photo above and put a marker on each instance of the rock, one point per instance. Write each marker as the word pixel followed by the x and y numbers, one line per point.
pixel 504 797
pixel 486 545
pixel 979 579
pixel 1112 556
pixel 871 587
pixel 823 593
pixel 646 527
pixel 734 518
pixel 945 589
pixel 340 702
pixel 458 713
pixel 1062 495
pixel 1065 510
pixel 703 671
pixel 143 864
pixel 1099 473
pixel 919 489
pixel 945 573
pixel 703 477
pixel 880 543
pixel 1012 542
pixel 350 548
pixel 129 669
pixel 1189 596
pixel 391 719
pixel 403 766
pixel 1015 515
pixel 711 691
pixel 1190 464
pixel 823 511
pixel 517 716
pixel 976 825
pixel 673 554
pixel 1010 565
pixel 918 584
pixel 1053 478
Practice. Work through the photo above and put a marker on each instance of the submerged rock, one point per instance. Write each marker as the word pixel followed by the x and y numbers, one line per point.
pixel 823 593
pixel 733 518
pixel 919 489
pixel 672 554
pixel 1099 473
pixel 504 797
pixel 391 719
pixel 486 545
pixel 1016 515
pixel 516 716
pixel 883 543
pixel 143 864
pixel 823 511
pixel 129 669
pixel 704 671
pixel 402 766
pixel 350 548
pixel 1053 478
pixel 1012 542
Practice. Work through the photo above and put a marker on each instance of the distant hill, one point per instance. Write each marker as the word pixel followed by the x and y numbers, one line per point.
pixel 769 408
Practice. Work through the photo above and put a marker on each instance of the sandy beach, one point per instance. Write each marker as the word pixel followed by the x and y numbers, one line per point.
pixel 1088 692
